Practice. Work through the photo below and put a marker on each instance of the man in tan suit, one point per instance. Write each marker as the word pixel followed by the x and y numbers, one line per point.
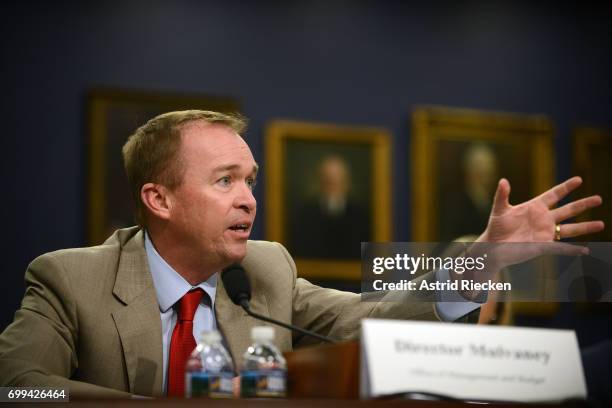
pixel 98 320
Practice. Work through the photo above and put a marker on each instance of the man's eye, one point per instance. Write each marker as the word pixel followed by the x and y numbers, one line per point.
pixel 251 182
pixel 224 181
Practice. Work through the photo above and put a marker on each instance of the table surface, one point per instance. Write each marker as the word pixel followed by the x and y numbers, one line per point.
pixel 300 403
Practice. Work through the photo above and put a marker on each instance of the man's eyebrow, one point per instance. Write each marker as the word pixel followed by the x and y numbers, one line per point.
pixel 230 167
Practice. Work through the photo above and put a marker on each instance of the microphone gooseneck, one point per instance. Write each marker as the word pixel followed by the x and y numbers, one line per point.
pixel 238 289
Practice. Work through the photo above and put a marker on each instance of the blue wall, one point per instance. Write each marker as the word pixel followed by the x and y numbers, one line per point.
pixel 358 62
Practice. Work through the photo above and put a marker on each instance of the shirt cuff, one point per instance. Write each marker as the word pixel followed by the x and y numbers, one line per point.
pixel 450 305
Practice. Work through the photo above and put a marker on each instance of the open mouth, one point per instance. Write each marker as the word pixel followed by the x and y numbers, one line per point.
pixel 240 227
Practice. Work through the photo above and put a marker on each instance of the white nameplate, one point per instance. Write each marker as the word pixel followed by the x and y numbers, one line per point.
pixel 469 362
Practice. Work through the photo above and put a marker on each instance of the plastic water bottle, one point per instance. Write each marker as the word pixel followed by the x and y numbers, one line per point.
pixel 209 369
pixel 264 373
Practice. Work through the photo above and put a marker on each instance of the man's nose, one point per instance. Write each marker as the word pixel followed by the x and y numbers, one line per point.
pixel 245 199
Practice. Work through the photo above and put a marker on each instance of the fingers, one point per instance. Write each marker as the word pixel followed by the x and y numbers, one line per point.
pixel 555 194
pixel 576 207
pixel 502 195
pixel 581 228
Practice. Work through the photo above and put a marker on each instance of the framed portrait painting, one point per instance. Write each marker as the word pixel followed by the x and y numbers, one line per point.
pixel 327 190
pixel 458 156
pixel 113 115
pixel 592 151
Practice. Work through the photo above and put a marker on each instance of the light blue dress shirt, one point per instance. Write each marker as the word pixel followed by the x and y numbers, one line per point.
pixel 170 288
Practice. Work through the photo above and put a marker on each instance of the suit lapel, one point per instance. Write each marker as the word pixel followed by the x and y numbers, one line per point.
pixel 138 321
pixel 235 324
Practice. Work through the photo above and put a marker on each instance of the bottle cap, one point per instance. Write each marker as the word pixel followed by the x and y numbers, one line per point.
pixel 212 336
pixel 262 333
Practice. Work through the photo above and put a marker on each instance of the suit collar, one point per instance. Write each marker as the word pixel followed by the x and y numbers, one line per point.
pixel 133 275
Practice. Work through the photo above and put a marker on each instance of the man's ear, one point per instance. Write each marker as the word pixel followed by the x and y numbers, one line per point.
pixel 156 198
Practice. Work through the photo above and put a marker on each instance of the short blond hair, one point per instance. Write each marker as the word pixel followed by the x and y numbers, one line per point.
pixel 151 153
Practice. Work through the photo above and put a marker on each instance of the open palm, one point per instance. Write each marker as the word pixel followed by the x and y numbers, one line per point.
pixel 535 220
pixel 534 223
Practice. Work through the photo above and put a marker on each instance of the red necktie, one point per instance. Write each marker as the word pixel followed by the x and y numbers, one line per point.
pixel 182 343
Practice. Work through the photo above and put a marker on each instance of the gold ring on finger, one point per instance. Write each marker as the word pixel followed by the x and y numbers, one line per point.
pixel 558 232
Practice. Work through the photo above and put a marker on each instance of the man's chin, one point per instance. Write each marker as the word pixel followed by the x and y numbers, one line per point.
pixel 236 253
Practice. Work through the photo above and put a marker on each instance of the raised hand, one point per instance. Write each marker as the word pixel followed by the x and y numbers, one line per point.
pixel 536 220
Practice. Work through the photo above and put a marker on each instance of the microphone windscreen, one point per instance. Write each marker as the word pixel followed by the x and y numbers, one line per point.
pixel 236 283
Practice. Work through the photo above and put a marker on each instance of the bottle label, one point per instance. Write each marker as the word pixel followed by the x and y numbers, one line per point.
pixel 263 383
pixel 214 385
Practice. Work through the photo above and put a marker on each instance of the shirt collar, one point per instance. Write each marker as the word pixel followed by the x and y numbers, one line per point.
pixel 169 285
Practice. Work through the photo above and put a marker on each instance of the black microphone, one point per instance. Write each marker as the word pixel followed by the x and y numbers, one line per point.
pixel 238 288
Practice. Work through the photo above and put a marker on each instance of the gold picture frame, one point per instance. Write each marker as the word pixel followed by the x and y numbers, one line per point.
pixel 443 142
pixel 592 150
pixel 113 115
pixel 305 163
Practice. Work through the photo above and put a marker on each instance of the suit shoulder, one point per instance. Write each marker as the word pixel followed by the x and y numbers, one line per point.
pixel 268 255
pixel 263 245
pixel 69 255
pixel 84 258
pixel 266 248
pixel 270 267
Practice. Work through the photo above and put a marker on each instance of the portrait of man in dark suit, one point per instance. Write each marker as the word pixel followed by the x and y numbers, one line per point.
pixel 333 223
pixel 327 190
pixel 467 193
